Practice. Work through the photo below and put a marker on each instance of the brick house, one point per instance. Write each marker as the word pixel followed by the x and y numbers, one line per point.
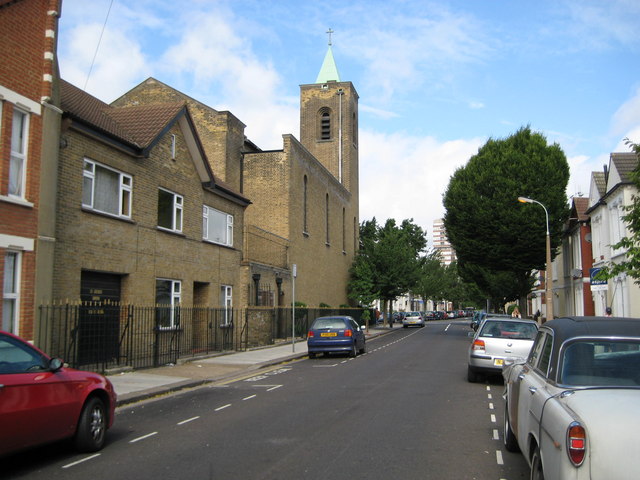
pixel 28 142
pixel 304 209
pixel 141 217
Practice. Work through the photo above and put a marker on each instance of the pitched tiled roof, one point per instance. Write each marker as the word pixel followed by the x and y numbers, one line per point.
pixel 625 164
pixel 137 126
pixel 581 205
pixel 601 182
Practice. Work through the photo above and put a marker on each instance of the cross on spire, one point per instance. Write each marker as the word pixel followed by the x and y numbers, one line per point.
pixel 330 32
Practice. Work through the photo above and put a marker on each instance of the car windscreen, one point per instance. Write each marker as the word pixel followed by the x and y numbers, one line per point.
pixel 601 363
pixel 328 323
pixel 506 329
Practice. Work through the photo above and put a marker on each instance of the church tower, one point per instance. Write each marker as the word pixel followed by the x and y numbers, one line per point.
pixel 329 123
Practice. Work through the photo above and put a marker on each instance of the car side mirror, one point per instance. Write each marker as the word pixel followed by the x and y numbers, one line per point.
pixel 55 364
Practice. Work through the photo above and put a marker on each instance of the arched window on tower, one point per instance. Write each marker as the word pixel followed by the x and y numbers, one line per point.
pixel 324 124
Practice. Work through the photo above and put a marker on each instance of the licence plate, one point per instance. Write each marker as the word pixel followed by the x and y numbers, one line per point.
pixel 498 362
pixel 329 334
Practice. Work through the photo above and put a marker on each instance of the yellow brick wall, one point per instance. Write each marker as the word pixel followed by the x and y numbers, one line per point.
pixel 137 248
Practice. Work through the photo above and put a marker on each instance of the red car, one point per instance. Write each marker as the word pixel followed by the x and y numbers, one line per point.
pixel 41 401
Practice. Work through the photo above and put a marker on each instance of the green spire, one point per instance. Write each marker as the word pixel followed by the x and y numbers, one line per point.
pixel 329 70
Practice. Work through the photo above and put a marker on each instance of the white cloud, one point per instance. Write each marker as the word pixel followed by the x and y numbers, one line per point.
pixel 403 177
pixel 626 120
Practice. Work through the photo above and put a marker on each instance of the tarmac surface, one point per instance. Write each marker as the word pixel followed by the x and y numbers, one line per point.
pixel 139 385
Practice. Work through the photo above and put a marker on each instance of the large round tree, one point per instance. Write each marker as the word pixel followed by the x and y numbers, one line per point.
pixel 485 223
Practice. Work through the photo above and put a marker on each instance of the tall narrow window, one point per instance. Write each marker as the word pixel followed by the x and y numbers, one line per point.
pixel 18 165
pixel 168 303
pixel 169 210
pixel 173 147
pixel 326 206
pixel 226 302
pixel 324 124
pixel 11 292
pixel 305 228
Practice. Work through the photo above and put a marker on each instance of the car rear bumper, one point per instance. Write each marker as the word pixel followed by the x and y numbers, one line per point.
pixel 322 346
pixel 486 363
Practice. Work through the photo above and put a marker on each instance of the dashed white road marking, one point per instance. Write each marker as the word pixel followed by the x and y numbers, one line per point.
pixel 69 465
pixel 249 397
pixel 222 407
pixel 493 418
pixel 143 437
pixel 499 457
pixel 496 435
pixel 490 406
pixel 188 420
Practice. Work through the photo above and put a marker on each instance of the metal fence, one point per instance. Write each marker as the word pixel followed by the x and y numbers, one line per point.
pixel 104 337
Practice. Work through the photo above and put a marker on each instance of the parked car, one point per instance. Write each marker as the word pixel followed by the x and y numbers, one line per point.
pixel 42 401
pixel 496 339
pixel 430 315
pixel 440 315
pixel 478 317
pixel 572 406
pixel 340 334
pixel 413 319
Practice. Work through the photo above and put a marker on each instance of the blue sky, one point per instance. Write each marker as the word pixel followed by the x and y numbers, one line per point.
pixel 435 79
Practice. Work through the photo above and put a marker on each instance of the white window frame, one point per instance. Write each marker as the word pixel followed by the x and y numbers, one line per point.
pixel 175 295
pixel 226 300
pixel 19 154
pixel 176 216
pixel 125 189
pixel 209 215
pixel 11 292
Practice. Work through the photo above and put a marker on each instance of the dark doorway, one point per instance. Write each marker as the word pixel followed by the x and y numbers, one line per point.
pixel 99 324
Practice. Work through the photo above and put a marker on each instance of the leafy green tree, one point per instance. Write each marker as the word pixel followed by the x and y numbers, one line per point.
pixel 630 243
pixel 487 226
pixel 429 286
pixel 387 264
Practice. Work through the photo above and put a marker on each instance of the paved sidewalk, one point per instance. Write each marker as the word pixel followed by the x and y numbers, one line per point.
pixel 142 384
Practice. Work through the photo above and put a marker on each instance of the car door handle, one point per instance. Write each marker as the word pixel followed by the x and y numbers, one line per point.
pixel 533 390
pixel 521 376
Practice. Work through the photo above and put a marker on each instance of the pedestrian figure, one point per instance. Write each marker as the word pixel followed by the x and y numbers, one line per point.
pixel 516 313
pixel 607 312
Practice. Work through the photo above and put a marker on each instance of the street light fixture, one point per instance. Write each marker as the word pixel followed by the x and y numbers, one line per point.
pixel 547 280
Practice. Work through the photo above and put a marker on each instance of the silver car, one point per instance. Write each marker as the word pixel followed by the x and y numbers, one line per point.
pixel 496 339
pixel 413 319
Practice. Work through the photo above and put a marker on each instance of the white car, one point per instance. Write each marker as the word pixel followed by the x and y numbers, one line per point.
pixel 413 319
pixel 498 338
pixel 572 407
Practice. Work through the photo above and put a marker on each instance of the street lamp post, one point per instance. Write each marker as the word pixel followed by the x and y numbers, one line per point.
pixel 547 279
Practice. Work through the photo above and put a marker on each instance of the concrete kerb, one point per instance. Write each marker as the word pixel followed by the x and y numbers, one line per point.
pixel 138 385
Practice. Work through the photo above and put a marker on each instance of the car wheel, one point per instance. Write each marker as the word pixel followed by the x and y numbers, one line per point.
pixel 536 466
pixel 354 351
pixel 472 377
pixel 363 349
pixel 312 355
pixel 510 440
pixel 92 426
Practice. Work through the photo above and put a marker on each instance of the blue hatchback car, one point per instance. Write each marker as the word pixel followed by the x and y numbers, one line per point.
pixel 339 334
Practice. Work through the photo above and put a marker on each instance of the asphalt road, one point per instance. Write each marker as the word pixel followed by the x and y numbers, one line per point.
pixel 403 411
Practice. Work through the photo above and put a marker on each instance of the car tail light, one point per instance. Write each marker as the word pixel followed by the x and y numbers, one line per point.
pixel 576 443
pixel 478 345
pixel 348 333
pixel 310 334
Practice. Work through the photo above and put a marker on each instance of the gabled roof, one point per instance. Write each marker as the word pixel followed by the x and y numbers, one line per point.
pixel 580 205
pixel 624 163
pixel 136 129
pixel 138 126
pixel 600 181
